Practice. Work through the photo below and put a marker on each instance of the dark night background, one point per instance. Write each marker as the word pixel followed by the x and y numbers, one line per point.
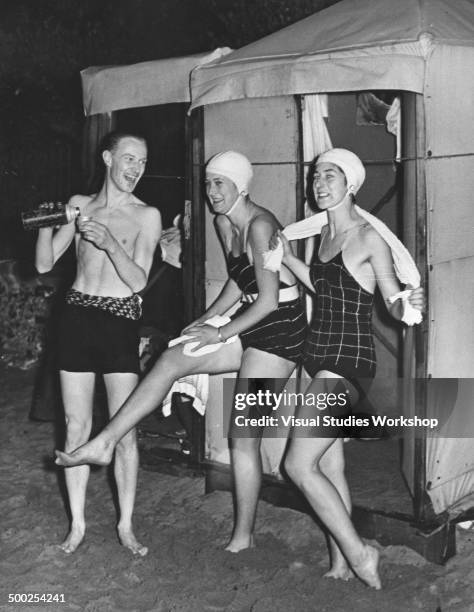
pixel 45 43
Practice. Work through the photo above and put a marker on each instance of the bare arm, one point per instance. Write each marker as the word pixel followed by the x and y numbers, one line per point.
pixel 228 296
pixel 382 264
pixel 52 244
pixel 299 268
pixel 259 236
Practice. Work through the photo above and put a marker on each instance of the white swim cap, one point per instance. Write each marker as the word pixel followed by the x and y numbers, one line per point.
pixel 233 166
pixel 349 163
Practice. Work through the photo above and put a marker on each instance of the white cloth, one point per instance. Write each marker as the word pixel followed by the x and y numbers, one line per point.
pixel 316 137
pixel 394 125
pixel 405 267
pixel 215 321
pixel 170 243
pixel 195 386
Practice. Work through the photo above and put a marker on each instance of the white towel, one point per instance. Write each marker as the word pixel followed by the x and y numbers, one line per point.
pixel 170 243
pixel 196 386
pixel 405 267
pixel 215 321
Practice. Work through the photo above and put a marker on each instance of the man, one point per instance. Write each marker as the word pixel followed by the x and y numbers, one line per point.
pixel 99 330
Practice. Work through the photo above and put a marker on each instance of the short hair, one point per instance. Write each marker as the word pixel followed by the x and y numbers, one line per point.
pixel 111 141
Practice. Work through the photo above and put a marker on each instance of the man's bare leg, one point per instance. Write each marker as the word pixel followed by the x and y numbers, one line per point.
pixel 245 451
pixel 119 386
pixel 77 390
pixel 149 394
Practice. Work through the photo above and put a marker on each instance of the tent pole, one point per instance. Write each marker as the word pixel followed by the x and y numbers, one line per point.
pixel 421 501
pixel 300 168
pixel 300 194
pixel 415 339
pixel 194 249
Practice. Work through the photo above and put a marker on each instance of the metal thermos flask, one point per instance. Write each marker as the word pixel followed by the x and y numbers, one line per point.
pixel 49 216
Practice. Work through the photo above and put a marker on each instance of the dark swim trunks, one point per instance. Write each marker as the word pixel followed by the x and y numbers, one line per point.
pixel 95 340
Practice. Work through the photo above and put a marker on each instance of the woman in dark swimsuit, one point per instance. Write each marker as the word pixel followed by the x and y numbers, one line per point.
pixel 270 325
pixel 350 260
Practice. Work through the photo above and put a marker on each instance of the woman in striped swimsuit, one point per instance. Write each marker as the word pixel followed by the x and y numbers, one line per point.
pixel 350 260
pixel 270 325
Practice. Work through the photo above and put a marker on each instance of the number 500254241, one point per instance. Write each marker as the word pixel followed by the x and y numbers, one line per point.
pixel 36 598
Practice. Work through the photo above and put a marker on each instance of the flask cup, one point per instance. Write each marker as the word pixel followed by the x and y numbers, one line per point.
pixel 49 216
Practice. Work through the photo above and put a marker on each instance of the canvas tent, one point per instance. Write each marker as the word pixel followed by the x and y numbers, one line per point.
pixel 425 50
pixel 110 88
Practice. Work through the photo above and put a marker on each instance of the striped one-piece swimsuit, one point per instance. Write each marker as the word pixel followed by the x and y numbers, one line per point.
pixel 340 337
pixel 283 331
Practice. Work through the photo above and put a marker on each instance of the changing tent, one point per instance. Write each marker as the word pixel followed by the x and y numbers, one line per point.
pixel 425 50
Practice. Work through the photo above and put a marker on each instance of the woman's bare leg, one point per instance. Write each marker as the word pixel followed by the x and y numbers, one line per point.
pixel 304 466
pixel 332 465
pixel 149 394
pixel 245 449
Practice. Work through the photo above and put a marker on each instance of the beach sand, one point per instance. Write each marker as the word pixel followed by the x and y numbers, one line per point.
pixel 186 569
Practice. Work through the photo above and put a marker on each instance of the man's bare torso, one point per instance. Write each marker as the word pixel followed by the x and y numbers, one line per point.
pixel 96 274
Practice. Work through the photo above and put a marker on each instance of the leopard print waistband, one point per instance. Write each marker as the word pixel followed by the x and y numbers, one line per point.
pixel 129 307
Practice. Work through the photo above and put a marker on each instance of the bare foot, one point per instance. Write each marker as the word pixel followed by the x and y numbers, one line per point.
pixel 341 573
pixel 94 451
pixel 238 544
pixel 367 568
pixel 128 540
pixel 73 540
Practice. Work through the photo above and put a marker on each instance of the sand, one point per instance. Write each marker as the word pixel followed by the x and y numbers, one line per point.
pixel 186 569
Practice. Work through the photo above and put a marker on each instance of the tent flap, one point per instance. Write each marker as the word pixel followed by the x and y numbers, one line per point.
pixel 349 71
pixel 353 45
pixel 110 88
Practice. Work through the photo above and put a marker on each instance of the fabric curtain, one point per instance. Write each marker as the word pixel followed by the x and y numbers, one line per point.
pixel 316 140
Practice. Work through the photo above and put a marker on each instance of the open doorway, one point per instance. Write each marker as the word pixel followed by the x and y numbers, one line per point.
pixel 163 186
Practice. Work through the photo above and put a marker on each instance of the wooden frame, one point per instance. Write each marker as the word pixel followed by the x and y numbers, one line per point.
pixel 194 250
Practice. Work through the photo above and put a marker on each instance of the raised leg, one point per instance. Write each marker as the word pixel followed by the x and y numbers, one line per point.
pixel 119 386
pixel 77 392
pixel 149 394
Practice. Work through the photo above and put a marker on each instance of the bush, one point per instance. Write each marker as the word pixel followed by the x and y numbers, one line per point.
pixel 25 310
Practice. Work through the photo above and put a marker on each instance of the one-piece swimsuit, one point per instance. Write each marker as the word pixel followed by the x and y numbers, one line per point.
pixel 340 337
pixel 283 331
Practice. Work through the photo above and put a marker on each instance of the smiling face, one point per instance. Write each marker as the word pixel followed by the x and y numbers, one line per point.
pixel 329 185
pixel 126 163
pixel 221 192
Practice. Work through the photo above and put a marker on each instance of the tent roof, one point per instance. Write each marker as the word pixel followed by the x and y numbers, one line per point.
pixel 110 88
pixel 352 45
